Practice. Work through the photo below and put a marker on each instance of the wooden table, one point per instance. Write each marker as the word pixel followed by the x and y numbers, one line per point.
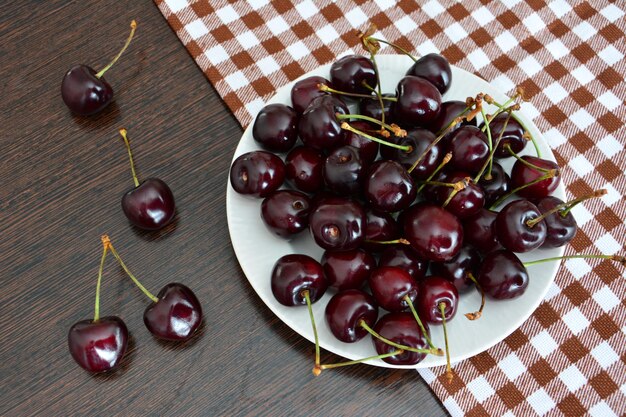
pixel 61 180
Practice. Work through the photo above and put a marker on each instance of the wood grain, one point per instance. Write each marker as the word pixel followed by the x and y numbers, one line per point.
pixel 61 179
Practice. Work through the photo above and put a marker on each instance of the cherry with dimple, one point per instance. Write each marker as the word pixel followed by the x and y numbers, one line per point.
pixel 517 229
pixel 304 167
pixel 285 213
pixel 337 224
pixel 344 171
pixel 393 288
pixel 257 173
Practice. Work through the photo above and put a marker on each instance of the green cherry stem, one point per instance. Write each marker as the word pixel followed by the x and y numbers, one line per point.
pixel 507 147
pixel 489 141
pixel 133 26
pixel 316 368
pixel 395 129
pixel 420 324
pixel 346 126
pixel 328 89
pixel 477 314
pixel 105 248
pixel 489 162
pixel 443 163
pixel 564 208
pixel 123 133
pixel 400 241
pixel 383 356
pixel 550 174
pixel 521 123
pixel 617 258
pixel 442 309
pixel 135 280
pixel 435 142
pixel 431 351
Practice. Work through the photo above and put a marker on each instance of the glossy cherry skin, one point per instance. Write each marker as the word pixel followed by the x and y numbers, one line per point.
pixel 305 91
pixel 418 139
pixel 434 68
pixel 344 171
pixel 150 206
pixel 435 233
pixel 368 149
pixel 389 187
pixel 464 203
pixel 419 102
pixel 497 186
pixel 83 92
pixel 561 229
pixel 379 227
pixel 347 269
pixel 434 290
pixel 304 167
pixel 479 231
pixel 338 224
pixel 512 136
pixel 457 269
pixel 352 73
pixel 318 126
pixel 513 232
pixel 176 316
pixel 346 310
pixel 292 275
pixel 502 275
pixel 98 346
pixel 276 127
pixel 401 328
pixel 522 174
pixel 257 174
pixel 390 285
pixel 371 108
pixel 450 110
pixel 469 149
pixel 286 213
pixel 402 256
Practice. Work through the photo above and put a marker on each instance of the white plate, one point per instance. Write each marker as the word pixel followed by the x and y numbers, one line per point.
pixel 258 250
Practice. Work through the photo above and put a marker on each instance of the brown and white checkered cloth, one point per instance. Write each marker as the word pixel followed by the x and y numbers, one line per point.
pixel 569 358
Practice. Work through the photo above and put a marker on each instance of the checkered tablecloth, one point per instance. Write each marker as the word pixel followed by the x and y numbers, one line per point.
pixel 569 358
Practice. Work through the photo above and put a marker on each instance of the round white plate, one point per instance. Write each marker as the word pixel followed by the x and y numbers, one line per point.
pixel 257 250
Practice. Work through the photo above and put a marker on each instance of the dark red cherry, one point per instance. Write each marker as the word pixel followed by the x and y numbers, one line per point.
pixel 389 187
pixel 401 328
pixel 379 227
pixel 303 169
pixel 390 286
pixel 345 311
pixel 344 171
pixel 522 174
pixel 561 228
pixel 318 126
pixel 513 231
pixel 464 203
pixel 457 269
pixel 469 149
pixel 513 135
pixel 177 314
pixel 305 91
pixel 353 74
pixel 434 68
pixel 149 206
pixel 286 213
pixel 498 185
pixel 257 173
pixel 338 224
pixel 450 110
pixel 83 92
pixel 434 290
pixel 368 149
pixel 419 102
pixel 479 231
pixel 275 127
pixel 98 346
pixel 502 275
pixel 292 275
pixel 404 257
pixel 418 139
pixel 371 108
pixel 435 233
pixel 347 269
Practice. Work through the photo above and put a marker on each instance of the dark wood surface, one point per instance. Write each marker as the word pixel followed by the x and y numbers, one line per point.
pixel 61 179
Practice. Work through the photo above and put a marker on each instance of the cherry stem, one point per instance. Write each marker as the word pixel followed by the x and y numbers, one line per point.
pixel 135 280
pixel 432 351
pixel 340 364
pixel 130 155
pixel 490 141
pixel 507 147
pixel 477 314
pixel 133 26
pixel 96 310
pixel 401 241
pixel 396 47
pixel 346 126
pixel 316 368
pixel 328 89
pixel 379 92
pixel 564 208
pixel 393 128
pixel 452 123
pixel 526 131
pixel 500 109
pixel 442 308
pixel 443 163
pixel 433 143
pixel 458 186
pixel 420 324
pixel 616 258
pixel 489 162
pixel 550 174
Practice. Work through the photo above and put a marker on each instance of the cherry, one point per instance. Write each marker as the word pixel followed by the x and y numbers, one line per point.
pixel 257 173
pixel 379 227
pixel 403 329
pixel 150 204
pixel 353 74
pixel 502 275
pixel 479 231
pixel 514 230
pixel 305 91
pixel 344 171
pixel 404 257
pixel 319 127
pixel 391 286
pixel 337 224
pixel 275 127
pixel 85 91
pixel 388 187
pixel 534 177
pixel 561 225
pixel 435 233
pixel 450 110
pixel 513 134
pixel 434 68
pixel 368 149
pixel 285 213
pixel 347 269
pixel 495 185
pixel 458 269
pixel 292 275
pixel 469 149
pixel 418 139
pixel 419 102
pixel 303 169
pixel 98 345
pixel 370 107
pixel 346 311
pixel 464 202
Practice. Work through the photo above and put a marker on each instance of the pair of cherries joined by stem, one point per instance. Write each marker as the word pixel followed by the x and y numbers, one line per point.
pixel 99 345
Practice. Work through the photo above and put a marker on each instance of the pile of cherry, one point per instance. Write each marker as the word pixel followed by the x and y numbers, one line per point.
pixel 99 344
pixel 405 198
